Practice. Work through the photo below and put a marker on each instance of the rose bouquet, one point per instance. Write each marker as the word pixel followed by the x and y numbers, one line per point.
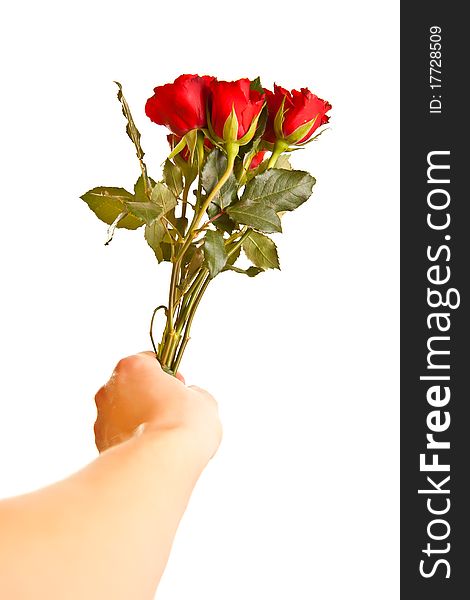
pixel 226 183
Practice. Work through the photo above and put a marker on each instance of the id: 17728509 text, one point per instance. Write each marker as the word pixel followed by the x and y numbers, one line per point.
pixel 435 69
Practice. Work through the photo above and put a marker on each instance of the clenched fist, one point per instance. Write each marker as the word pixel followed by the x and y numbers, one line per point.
pixel 140 397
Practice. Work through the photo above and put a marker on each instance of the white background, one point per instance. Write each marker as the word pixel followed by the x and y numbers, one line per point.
pixel 302 499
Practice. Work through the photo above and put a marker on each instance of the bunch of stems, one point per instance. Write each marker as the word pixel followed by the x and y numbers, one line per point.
pixel 184 297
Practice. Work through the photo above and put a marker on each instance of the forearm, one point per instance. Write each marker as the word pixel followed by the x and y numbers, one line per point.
pixel 106 531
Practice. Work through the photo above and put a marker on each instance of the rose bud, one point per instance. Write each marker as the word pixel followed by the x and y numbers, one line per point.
pixel 180 106
pixel 294 116
pixel 257 159
pixel 234 110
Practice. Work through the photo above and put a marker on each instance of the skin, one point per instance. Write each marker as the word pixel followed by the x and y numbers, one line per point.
pixel 106 531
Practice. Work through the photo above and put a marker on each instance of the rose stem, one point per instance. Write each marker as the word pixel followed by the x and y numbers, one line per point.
pixel 175 272
pixel 192 311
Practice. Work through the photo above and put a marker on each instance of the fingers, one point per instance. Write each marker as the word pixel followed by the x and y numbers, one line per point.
pixel 135 363
pixel 149 353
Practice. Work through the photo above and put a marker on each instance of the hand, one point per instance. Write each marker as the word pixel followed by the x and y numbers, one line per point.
pixel 140 397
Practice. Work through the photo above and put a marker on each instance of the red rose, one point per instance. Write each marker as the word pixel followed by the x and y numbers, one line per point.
pixel 181 105
pixel 257 159
pixel 299 108
pixel 225 95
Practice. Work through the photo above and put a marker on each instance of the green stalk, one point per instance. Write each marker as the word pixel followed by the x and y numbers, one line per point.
pixel 184 307
pixel 187 295
pixel 198 215
pixel 246 166
pixel 173 340
pixel 234 248
pixel 185 199
pixel 279 147
pixel 192 311
pixel 172 334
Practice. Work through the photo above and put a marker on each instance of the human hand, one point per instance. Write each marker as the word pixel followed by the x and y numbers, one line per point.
pixel 141 398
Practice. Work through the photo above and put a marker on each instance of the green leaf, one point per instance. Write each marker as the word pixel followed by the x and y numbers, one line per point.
pixel 108 203
pixel 263 119
pixel 146 211
pixel 215 165
pixel 192 261
pixel 261 250
pixel 155 234
pixel 181 224
pixel 280 189
pixel 173 177
pixel 195 262
pixel 139 189
pixel 191 142
pixel 163 198
pixel 283 162
pixel 214 168
pixel 251 271
pixel 260 128
pixel 279 119
pixel 214 252
pixel 228 193
pixel 166 251
pixel 131 129
pixel 255 214
pixel 255 84
pixel 223 222
pixel 267 194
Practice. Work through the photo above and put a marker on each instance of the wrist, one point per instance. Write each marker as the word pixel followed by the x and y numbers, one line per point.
pixel 192 444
